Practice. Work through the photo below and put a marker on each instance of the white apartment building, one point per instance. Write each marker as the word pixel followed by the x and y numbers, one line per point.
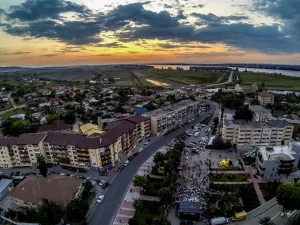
pixel 260 113
pixel 274 162
pixel 167 118
pixel 254 133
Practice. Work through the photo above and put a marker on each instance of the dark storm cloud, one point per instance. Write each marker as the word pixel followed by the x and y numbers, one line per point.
pixel 268 39
pixel 170 46
pixel 16 53
pixel 42 9
pixel 135 12
pixel 110 45
pixel 288 11
pixel 180 15
pixel 72 32
pixel 212 18
pixel 132 22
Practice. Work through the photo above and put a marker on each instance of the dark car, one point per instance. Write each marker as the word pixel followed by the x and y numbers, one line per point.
pixel 103 172
pixel 82 170
pixel 72 169
pixel 264 220
pixel 121 168
pixel 105 185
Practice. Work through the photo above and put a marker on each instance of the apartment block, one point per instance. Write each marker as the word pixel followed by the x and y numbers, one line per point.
pixel 255 133
pixel 21 151
pixel 260 113
pixel 170 117
pixel 274 162
pixel 265 98
pixel 76 150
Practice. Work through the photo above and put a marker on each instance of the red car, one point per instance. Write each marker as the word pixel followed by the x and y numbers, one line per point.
pixel 105 185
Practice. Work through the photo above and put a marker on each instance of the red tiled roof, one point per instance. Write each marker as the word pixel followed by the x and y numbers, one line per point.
pixel 265 94
pixel 24 139
pixel 56 188
pixel 77 140
pixel 55 126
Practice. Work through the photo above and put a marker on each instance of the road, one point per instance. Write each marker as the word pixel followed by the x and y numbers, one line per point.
pixel 14 106
pixel 229 81
pixel 105 212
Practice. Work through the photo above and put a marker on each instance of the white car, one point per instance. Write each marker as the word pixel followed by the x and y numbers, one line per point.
pixel 126 163
pixel 146 143
pixel 100 198
pixel 140 149
pixel 102 182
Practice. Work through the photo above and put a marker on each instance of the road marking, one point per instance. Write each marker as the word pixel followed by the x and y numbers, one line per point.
pixel 275 216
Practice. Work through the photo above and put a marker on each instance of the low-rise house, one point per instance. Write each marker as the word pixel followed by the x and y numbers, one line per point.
pixel 265 98
pixel 18 116
pixel 5 186
pixel 57 125
pixel 35 190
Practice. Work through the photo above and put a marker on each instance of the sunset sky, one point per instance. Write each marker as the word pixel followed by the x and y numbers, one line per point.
pixel 80 32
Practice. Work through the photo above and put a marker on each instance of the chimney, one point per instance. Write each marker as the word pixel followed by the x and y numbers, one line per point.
pixel 100 122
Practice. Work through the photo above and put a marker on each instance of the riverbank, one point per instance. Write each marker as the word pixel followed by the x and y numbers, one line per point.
pixel 274 82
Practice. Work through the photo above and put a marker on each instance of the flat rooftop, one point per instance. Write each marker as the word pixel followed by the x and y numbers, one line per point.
pixel 277 152
pixel 170 108
pixel 256 124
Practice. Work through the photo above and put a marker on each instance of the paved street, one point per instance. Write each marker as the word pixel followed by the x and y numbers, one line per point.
pixel 106 211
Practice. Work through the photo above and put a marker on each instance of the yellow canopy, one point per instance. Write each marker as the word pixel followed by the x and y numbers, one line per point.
pixel 241 214
pixel 90 129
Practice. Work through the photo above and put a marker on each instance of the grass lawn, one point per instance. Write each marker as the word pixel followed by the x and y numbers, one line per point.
pixel 223 78
pixel 15 111
pixel 149 211
pixel 188 77
pixel 228 177
pixel 277 82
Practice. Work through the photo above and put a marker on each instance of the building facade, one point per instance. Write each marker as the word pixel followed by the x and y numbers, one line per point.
pixel 252 133
pixel 265 98
pixel 75 150
pixel 168 118
pixel 274 162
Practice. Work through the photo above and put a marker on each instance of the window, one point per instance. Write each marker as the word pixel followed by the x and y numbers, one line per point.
pixel 273 168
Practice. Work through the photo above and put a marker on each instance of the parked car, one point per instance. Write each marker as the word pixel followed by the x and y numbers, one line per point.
pixel 73 169
pixel 140 149
pixel 121 168
pixel 264 220
pixel 126 163
pixel 82 170
pixel 105 185
pixel 100 199
pixel 102 182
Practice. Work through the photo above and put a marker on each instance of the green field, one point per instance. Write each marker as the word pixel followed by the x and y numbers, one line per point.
pixel 188 77
pixel 278 82
pixel 15 111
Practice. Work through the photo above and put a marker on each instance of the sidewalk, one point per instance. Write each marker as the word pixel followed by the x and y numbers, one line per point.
pixel 127 210
pixel 256 186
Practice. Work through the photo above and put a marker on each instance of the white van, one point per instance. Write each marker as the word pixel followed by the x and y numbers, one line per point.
pixel 219 221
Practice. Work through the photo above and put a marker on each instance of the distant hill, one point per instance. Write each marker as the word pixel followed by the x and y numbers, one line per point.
pixel 12 69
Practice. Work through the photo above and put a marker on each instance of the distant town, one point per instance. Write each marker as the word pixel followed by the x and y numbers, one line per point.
pixel 137 145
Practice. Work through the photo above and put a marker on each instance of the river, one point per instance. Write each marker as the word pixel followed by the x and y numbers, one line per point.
pixel 266 71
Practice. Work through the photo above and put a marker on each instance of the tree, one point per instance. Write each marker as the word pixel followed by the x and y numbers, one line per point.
pixel 76 210
pixel 159 157
pixel 20 127
pixel 42 165
pixel 52 117
pixel 216 121
pixel 244 113
pixel 288 195
pixel 49 213
pixel 69 117
pixel 165 195
pixel 111 80
pixel 138 204
pixel 161 220
pixel 139 181
pixel 218 142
